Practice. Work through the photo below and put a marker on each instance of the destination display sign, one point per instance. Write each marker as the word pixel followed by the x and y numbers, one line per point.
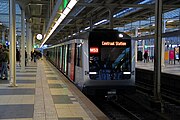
pixel 115 43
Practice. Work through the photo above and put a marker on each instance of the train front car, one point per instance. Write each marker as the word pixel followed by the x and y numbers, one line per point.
pixel 109 63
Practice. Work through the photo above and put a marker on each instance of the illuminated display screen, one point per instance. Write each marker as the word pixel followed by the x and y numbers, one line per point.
pixel 94 50
pixel 116 43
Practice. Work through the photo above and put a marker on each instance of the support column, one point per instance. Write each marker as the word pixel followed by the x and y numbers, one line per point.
pixel 143 46
pixel 157 48
pixel 12 36
pixel 30 41
pixel 110 19
pixel 136 48
pixel 22 40
pixel 133 53
pixel 163 45
pixel 27 40
pixel 33 42
pixel 91 23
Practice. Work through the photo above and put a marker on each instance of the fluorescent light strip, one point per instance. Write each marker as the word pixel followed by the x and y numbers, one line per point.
pixel 59 20
pixel 100 22
pixel 87 28
pixel 66 10
pixel 62 16
pixel 71 4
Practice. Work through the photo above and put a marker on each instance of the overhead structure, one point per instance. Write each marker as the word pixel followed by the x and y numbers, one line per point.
pixel 98 13
pixel 36 13
pixel 45 16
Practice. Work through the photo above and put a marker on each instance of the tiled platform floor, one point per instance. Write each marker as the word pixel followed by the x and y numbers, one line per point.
pixel 42 94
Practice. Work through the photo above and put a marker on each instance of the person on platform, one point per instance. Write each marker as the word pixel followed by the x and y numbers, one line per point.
pixel 35 56
pixel 32 56
pixel 5 61
pixel 145 57
pixel 1 51
pixel 18 56
pixel 26 58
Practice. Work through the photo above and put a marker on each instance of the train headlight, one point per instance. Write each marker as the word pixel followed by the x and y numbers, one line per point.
pixel 126 73
pixel 93 73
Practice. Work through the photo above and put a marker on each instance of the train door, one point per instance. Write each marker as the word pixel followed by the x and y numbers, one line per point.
pixel 85 58
pixel 78 65
pixel 54 61
pixel 66 62
pixel 58 52
pixel 71 52
pixel 56 56
pixel 72 62
pixel 62 68
pixel 64 59
pixel 51 54
pixel 61 58
pixel 69 60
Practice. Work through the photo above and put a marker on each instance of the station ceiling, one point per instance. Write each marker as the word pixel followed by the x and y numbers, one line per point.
pixel 36 12
pixel 87 12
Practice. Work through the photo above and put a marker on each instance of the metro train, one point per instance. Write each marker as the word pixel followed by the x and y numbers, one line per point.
pixel 97 62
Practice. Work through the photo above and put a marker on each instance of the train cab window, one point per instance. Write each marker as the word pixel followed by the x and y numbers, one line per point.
pixel 79 55
pixel 110 63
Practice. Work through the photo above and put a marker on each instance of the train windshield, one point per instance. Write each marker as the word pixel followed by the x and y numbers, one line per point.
pixel 110 63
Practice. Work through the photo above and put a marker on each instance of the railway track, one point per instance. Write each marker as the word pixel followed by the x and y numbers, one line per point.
pixel 133 107
pixel 170 102
pixel 114 111
pixel 140 105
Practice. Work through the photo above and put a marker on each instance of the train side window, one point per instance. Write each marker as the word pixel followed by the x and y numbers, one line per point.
pixel 79 55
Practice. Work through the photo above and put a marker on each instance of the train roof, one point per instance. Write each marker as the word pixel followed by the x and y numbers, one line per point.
pixel 108 33
pixel 97 33
pixel 94 32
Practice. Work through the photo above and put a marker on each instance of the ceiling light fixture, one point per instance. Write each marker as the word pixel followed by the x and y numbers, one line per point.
pixel 66 11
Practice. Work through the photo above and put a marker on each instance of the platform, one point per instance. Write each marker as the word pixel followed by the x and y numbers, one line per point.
pixel 43 93
pixel 167 68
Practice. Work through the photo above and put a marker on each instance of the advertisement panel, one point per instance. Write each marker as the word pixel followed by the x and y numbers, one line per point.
pixel 171 55
pixel 176 52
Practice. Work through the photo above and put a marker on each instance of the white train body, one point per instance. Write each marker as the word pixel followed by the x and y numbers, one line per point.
pixel 85 63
